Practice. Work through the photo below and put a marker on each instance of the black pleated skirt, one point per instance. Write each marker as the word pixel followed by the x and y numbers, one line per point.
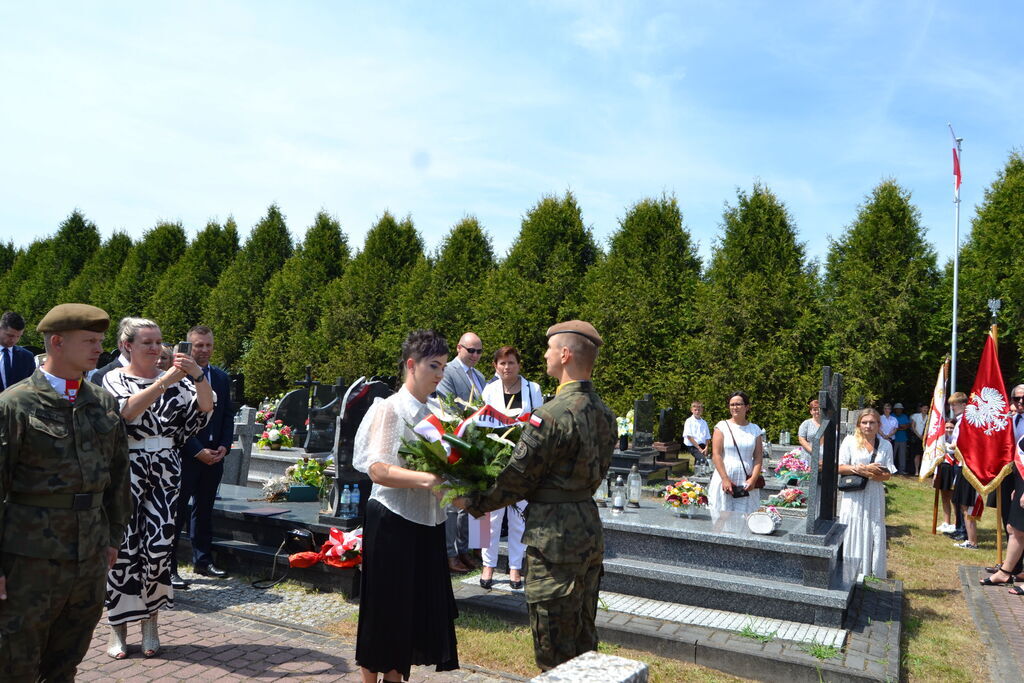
pixel 1015 518
pixel 945 477
pixel 406 606
pixel 963 493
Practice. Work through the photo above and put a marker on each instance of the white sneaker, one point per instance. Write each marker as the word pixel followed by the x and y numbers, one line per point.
pixel 943 528
pixel 966 545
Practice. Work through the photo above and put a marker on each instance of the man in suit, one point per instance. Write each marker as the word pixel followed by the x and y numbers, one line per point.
pixel 202 465
pixel 16 362
pixel 462 379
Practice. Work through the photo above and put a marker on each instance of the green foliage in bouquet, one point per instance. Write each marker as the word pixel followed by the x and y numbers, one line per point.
pixel 475 461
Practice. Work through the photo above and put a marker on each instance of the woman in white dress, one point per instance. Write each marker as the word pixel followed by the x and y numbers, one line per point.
pixel 736 451
pixel 509 392
pixel 863 512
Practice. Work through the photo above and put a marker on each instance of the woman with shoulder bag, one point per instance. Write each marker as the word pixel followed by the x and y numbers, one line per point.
pixel 864 454
pixel 736 451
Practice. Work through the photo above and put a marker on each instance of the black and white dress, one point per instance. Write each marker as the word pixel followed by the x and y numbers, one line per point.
pixel 140 581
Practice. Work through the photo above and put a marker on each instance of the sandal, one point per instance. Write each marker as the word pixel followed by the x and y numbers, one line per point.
pixel 987 581
pixel 150 637
pixel 1016 590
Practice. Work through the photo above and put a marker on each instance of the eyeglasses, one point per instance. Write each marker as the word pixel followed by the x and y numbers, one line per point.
pixel 1017 399
pixel 737 405
pixel 472 350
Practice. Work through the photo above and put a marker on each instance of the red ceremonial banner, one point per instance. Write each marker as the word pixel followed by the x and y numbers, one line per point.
pixel 985 441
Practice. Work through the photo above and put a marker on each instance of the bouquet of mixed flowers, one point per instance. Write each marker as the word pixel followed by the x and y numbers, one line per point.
pixel 466 444
pixel 793 466
pixel 684 493
pixel 789 498
pixel 342 549
pixel 276 434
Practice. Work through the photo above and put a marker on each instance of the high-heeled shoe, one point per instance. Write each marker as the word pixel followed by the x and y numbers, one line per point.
pixel 150 637
pixel 118 642
pixel 486 583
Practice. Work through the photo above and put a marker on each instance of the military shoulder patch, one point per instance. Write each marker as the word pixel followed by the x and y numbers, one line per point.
pixel 536 420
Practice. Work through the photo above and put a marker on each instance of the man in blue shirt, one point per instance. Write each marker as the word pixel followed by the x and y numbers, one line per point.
pixel 901 440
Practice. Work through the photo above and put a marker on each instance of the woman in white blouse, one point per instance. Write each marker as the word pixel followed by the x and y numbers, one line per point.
pixel 736 451
pixel 863 512
pixel 509 392
pixel 406 606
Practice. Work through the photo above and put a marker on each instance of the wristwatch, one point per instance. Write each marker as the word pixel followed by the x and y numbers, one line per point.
pixel 200 379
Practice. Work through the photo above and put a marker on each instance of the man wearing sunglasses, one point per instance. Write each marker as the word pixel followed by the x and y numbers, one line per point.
pixel 462 379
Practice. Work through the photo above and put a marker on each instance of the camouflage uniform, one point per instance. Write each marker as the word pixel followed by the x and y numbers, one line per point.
pixel 557 467
pixel 54 539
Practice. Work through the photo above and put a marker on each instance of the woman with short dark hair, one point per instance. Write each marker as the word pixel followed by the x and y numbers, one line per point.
pixel 736 451
pixel 406 606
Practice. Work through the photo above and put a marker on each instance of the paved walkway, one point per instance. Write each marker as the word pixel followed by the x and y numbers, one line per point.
pixel 999 617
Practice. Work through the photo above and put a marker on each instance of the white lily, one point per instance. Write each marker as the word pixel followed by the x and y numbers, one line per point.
pixel 502 441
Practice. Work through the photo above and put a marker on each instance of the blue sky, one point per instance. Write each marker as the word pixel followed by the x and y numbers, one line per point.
pixel 139 112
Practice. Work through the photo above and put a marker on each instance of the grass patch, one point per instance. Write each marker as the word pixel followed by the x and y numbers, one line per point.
pixel 820 650
pixel 939 640
pixel 748 631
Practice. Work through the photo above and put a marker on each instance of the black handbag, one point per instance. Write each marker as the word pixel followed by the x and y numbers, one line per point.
pixel 856 482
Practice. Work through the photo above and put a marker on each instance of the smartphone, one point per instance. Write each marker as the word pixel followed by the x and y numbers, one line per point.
pixel 184 347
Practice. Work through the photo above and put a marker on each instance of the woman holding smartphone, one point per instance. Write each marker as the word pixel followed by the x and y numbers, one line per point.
pixel 736 451
pixel 161 411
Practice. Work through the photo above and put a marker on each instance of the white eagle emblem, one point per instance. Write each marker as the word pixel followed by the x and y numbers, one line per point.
pixel 988 411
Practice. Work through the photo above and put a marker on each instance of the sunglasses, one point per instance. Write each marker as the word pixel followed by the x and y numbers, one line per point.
pixel 471 350
pixel 1017 399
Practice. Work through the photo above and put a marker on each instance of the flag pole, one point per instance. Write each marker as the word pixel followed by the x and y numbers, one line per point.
pixel 956 250
pixel 999 497
pixel 931 407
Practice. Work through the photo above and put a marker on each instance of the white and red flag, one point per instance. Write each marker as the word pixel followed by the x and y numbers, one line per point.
pixel 935 427
pixel 956 164
pixel 487 416
pixel 985 441
pixel 432 429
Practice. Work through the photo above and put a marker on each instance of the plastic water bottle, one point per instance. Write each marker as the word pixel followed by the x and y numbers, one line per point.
pixel 346 504
pixel 354 499
pixel 619 496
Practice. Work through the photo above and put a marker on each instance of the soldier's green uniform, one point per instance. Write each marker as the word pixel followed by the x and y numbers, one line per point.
pixel 557 466
pixel 64 499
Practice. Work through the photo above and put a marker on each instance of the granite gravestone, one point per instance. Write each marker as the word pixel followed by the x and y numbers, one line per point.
pixel 293 411
pixel 320 437
pixel 642 454
pixel 666 443
pixel 236 464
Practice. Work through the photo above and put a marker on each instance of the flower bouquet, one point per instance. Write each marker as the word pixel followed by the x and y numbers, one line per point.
pixel 276 435
pixel 793 466
pixel 685 495
pixel 789 498
pixel 342 549
pixel 466 445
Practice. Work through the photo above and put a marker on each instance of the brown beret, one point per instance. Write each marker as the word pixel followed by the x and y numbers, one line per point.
pixel 580 327
pixel 64 317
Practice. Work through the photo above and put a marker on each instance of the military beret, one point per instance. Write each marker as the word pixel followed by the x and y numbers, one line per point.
pixel 580 327
pixel 64 317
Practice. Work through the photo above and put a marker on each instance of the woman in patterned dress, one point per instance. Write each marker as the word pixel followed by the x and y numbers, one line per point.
pixel 161 411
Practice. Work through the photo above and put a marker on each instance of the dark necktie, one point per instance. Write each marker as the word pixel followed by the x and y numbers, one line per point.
pixel 8 369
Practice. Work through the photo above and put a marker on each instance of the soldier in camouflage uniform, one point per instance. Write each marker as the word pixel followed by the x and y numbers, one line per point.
pixel 561 458
pixel 64 501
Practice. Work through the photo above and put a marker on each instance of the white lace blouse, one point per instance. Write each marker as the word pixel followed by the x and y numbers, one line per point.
pixel 380 434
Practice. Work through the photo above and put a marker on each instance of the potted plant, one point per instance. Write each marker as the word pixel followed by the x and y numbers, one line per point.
pixel 276 435
pixel 307 480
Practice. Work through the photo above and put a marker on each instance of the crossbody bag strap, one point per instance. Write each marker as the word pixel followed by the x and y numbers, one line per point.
pixel 738 454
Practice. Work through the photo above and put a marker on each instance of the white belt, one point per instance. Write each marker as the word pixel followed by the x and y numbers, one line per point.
pixel 151 443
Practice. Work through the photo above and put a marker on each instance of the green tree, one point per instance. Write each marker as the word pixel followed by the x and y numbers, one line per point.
pixel 346 344
pixel 232 305
pixel 439 292
pixel 27 262
pixel 294 301
pixel 159 249
pixel 758 307
pixel 60 258
pixel 538 282
pixel 178 301
pixel 94 283
pixel 880 291
pixel 641 299
pixel 8 253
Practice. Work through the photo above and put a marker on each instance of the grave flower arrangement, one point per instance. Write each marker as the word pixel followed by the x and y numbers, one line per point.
pixel 276 434
pixel 793 466
pixel 789 498
pixel 625 425
pixel 467 445
pixel 342 549
pixel 310 472
pixel 685 493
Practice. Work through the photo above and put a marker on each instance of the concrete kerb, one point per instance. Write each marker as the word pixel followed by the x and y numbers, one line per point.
pixel 735 654
pixel 1001 662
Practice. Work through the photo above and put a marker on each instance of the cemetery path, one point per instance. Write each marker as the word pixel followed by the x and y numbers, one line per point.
pixel 200 644
pixel 1000 620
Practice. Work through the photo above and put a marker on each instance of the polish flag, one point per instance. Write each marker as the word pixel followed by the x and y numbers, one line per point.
pixel 956 164
pixel 935 427
pixel 487 416
pixel 432 429
pixel 985 441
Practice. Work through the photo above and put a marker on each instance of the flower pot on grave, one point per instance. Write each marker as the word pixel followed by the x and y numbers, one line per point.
pixel 275 445
pixel 623 443
pixel 301 493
